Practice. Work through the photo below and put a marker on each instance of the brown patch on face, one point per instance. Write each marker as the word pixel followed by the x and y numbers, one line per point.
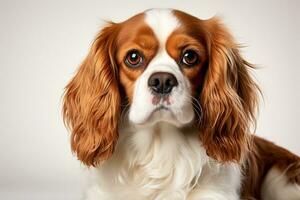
pixel 189 36
pixel 178 43
pixel 135 34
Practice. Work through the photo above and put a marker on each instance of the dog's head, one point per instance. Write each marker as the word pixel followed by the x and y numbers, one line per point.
pixel 166 66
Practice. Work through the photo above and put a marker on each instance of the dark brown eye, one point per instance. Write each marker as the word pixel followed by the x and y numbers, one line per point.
pixel 189 58
pixel 134 59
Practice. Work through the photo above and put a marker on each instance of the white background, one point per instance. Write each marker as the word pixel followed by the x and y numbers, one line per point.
pixel 42 43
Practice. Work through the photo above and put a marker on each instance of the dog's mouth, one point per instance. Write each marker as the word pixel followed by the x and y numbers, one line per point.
pixel 161 108
pixel 171 108
pixel 162 113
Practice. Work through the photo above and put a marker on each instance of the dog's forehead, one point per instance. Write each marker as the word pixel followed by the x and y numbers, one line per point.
pixel 158 24
pixel 162 22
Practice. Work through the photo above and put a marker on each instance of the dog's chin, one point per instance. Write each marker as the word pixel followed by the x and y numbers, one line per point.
pixel 164 114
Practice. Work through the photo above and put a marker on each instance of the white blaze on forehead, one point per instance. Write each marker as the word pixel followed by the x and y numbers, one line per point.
pixel 163 22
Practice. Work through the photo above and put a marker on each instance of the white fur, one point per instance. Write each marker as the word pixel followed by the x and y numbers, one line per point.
pixel 162 22
pixel 163 162
pixel 155 157
pixel 276 187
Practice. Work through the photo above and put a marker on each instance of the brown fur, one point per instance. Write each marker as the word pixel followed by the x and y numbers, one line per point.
pixel 263 156
pixel 92 101
pixel 228 98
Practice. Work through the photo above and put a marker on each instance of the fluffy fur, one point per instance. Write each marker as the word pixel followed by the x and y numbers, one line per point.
pixel 194 143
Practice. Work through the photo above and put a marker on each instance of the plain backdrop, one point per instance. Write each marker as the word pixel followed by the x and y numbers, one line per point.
pixel 43 42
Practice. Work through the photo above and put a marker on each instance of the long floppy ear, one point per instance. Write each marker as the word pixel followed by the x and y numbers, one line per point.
pixel 228 98
pixel 92 101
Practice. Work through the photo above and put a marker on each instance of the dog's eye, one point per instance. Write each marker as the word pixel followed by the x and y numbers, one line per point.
pixel 134 59
pixel 189 58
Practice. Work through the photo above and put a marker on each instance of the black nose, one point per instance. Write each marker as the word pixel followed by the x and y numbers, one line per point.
pixel 162 82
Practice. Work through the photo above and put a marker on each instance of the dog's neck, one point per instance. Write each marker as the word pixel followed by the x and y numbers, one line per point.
pixel 159 156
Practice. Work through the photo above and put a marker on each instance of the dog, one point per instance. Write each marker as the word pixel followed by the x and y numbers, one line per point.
pixel 163 107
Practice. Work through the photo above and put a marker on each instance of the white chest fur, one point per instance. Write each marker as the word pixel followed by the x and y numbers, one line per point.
pixel 163 162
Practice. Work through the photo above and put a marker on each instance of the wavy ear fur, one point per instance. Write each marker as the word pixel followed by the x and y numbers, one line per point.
pixel 228 98
pixel 91 104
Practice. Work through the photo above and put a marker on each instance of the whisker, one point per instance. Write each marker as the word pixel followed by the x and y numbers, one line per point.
pixel 198 108
pixel 124 111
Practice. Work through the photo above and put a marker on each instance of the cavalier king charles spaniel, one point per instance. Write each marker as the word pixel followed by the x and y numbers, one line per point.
pixel 162 108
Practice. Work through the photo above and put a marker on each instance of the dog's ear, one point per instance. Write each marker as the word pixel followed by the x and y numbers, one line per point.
pixel 91 106
pixel 228 98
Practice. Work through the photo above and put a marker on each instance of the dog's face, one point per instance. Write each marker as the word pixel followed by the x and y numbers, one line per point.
pixel 159 62
pixel 166 66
